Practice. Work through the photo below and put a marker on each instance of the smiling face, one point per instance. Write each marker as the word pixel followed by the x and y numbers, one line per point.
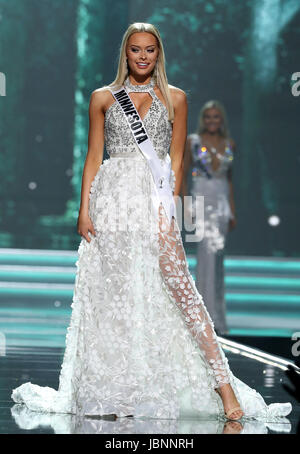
pixel 142 52
pixel 212 120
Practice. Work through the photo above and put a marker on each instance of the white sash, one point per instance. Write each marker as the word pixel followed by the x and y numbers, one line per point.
pixel 161 171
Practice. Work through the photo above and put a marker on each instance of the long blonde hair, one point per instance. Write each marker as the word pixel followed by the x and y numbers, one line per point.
pixel 213 104
pixel 159 73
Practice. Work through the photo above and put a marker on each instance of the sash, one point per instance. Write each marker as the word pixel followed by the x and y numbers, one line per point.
pixel 200 163
pixel 161 171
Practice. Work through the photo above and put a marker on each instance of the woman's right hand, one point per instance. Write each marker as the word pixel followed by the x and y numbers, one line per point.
pixel 84 226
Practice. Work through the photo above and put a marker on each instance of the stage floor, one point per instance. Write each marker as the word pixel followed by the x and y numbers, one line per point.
pixel 36 288
pixel 262 295
pixel 41 365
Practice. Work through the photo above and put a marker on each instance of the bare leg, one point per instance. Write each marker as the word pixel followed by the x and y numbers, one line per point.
pixel 181 288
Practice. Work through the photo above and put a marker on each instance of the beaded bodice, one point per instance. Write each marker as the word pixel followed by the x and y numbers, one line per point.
pixel 202 159
pixel 118 136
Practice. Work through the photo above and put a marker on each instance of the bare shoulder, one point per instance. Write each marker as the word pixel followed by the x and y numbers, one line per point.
pixel 192 137
pixel 179 97
pixel 101 97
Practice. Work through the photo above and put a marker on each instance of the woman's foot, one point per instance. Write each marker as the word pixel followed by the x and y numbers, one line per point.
pixel 230 402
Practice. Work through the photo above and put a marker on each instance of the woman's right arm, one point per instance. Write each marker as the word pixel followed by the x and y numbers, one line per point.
pixel 93 159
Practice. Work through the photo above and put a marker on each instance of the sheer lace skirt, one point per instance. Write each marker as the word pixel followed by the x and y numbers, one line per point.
pixel 150 290
pixel 140 340
pixel 181 288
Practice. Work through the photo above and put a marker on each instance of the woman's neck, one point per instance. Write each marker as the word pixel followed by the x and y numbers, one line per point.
pixel 212 137
pixel 136 79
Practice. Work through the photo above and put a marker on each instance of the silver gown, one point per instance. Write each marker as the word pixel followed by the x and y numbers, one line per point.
pixel 140 340
pixel 214 186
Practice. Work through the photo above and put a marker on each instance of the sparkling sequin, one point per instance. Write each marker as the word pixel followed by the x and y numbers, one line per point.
pixel 118 137
pixel 139 88
pixel 213 185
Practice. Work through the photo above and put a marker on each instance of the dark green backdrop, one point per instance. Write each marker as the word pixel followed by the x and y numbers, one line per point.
pixel 54 53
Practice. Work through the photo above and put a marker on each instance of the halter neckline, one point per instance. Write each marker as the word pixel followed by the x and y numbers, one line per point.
pixel 139 88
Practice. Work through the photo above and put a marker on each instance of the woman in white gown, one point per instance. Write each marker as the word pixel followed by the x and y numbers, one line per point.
pixel 209 156
pixel 140 340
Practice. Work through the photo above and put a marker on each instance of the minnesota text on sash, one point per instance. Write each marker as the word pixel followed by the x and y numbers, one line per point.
pixel 132 115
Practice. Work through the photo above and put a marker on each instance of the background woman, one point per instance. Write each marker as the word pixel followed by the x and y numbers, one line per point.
pixel 209 157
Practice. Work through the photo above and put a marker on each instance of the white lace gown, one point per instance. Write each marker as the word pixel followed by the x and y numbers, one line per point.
pixel 140 340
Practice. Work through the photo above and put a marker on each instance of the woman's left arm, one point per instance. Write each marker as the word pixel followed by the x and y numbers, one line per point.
pixel 232 221
pixel 178 142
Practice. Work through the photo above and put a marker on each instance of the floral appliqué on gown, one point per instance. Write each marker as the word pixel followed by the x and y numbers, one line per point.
pixel 140 340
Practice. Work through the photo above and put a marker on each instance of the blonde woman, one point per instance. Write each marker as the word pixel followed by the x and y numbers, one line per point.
pixel 140 342
pixel 208 162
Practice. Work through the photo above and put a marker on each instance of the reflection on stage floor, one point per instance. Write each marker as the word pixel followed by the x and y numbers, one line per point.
pixel 41 365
